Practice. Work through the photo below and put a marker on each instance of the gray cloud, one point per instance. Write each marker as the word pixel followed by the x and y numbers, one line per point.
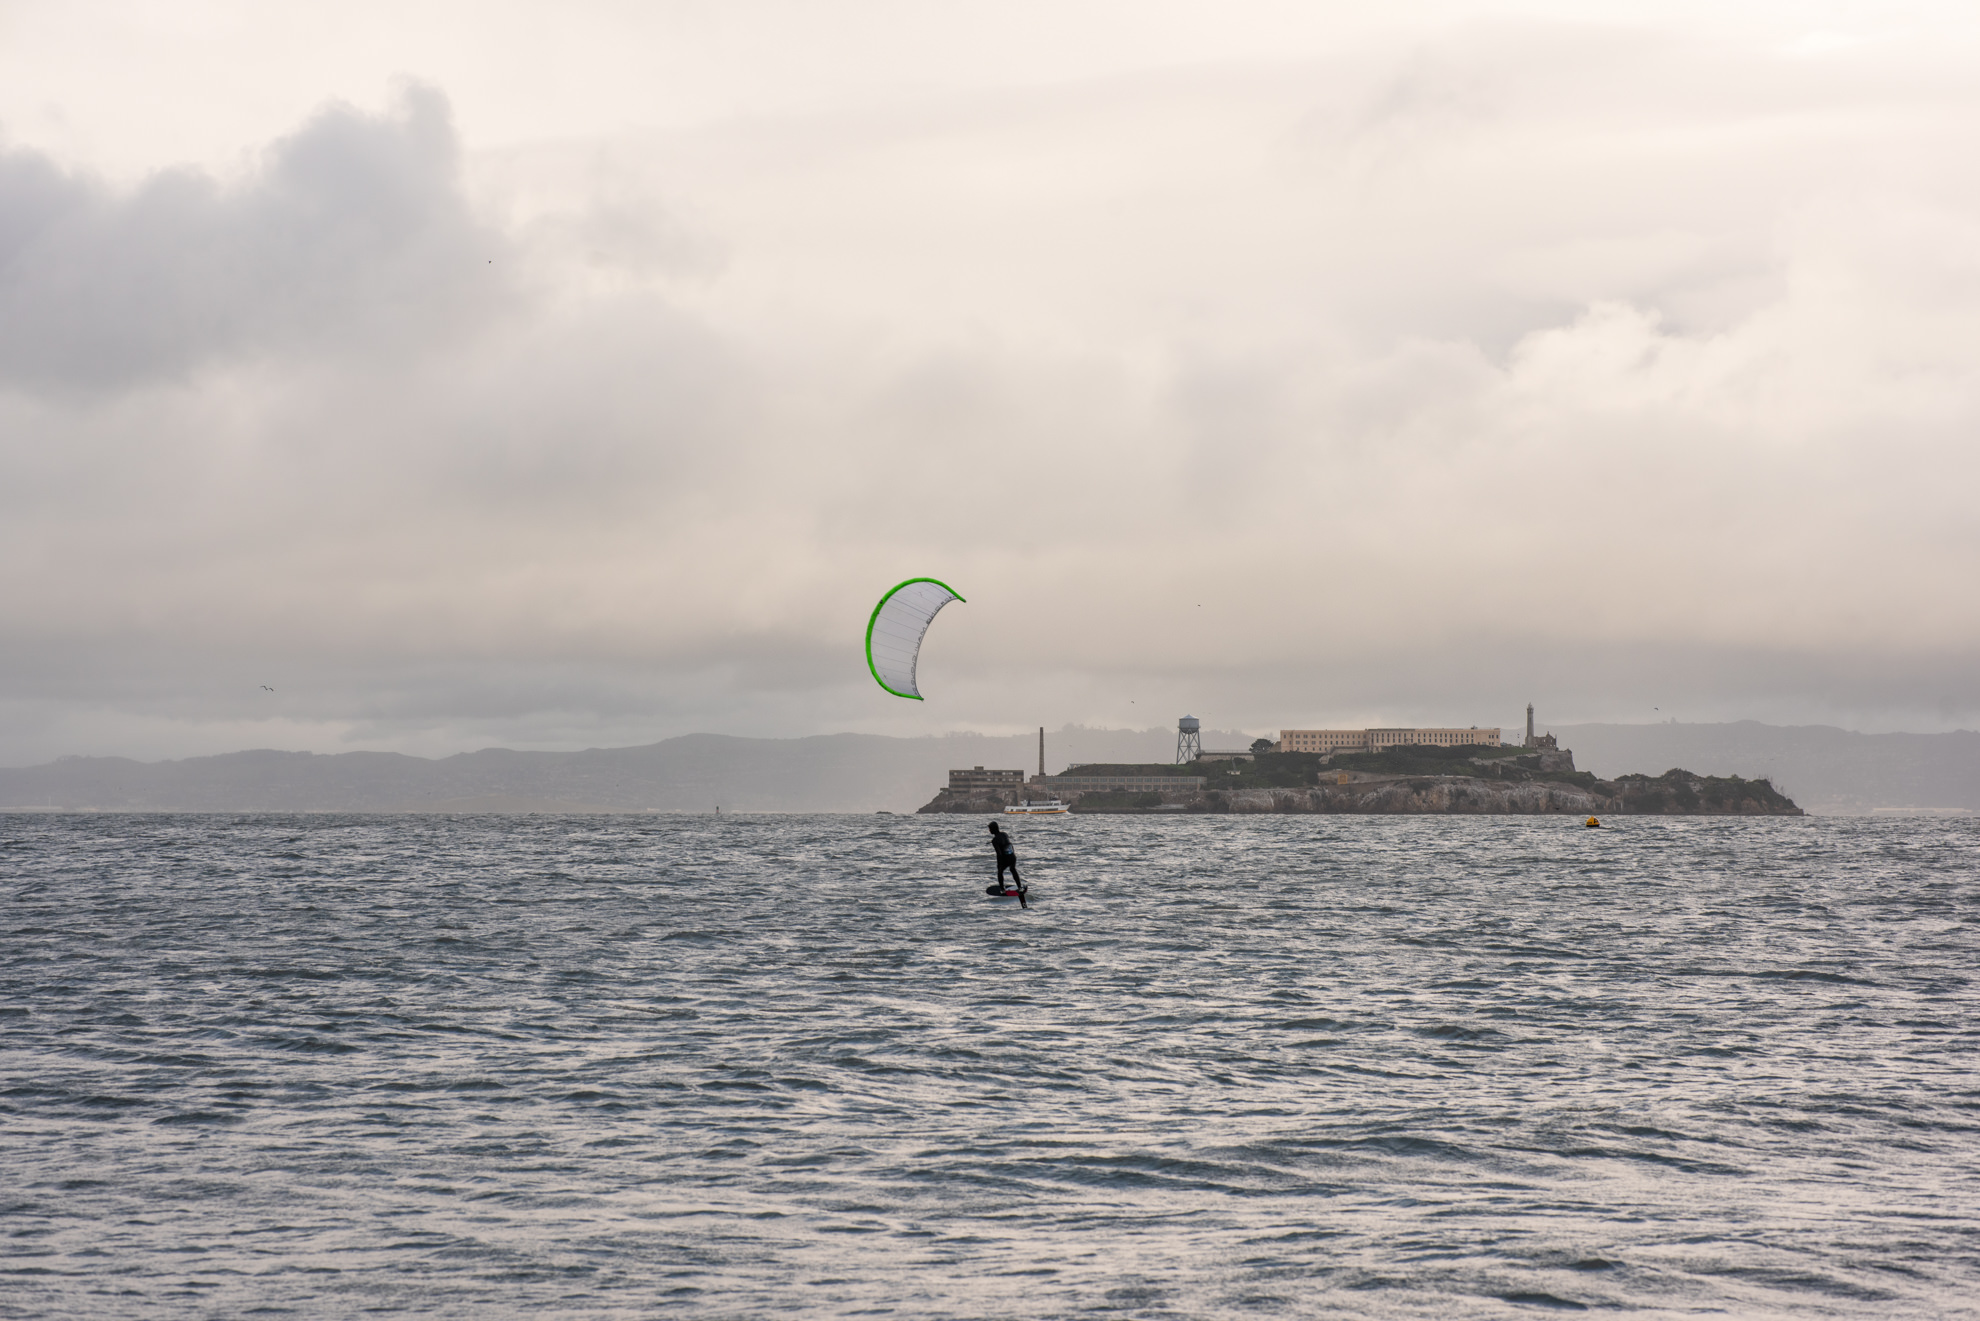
pixel 351 233
pixel 1405 382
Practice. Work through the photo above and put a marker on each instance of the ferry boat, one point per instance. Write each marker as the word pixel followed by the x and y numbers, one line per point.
pixel 1048 807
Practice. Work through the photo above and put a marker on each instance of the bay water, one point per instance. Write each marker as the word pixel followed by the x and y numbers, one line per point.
pixel 761 1066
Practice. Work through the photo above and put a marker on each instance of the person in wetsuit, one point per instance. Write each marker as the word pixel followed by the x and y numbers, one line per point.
pixel 1006 861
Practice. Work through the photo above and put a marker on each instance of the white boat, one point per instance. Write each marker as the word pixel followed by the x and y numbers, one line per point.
pixel 1049 807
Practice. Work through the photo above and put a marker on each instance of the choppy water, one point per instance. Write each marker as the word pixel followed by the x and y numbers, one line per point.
pixel 759 1066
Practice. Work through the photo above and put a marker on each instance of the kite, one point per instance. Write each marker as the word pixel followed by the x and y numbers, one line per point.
pixel 893 635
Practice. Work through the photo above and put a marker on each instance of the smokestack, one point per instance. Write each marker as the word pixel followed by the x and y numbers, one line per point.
pixel 1041 752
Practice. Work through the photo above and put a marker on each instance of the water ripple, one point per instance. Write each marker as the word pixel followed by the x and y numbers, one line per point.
pixel 768 1065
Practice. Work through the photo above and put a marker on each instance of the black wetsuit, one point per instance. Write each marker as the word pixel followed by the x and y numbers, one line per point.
pixel 1006 861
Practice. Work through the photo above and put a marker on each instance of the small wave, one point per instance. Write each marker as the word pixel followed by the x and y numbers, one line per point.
pixel 1812 975
pixel 1459 1032
pixel 1530 1299
pixel 199 1118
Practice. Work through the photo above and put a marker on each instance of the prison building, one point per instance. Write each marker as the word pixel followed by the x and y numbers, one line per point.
pixel 1376 740
pixel 1134 784
pixel 977 780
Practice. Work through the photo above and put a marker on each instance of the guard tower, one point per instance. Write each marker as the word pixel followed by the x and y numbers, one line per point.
pixel 1189 740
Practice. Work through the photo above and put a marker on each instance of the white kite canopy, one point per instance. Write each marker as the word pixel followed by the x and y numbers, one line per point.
pixel 893 635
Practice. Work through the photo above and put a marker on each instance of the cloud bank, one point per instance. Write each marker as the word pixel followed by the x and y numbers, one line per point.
pixel 351 236
pixel 1612 368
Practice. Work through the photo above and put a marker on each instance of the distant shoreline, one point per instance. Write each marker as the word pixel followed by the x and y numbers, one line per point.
pixel 1824 770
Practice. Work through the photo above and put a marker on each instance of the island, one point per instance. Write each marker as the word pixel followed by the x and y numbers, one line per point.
pixel 1466 780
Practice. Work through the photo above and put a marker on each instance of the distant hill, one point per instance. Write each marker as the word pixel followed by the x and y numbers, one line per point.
pixel 694 773
pixel 1824 769
pixel 1827 770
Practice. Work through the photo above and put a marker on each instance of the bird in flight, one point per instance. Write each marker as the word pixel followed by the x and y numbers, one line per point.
pixel 265 688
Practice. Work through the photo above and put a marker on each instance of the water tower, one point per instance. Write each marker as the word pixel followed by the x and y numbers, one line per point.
pixel 1189 740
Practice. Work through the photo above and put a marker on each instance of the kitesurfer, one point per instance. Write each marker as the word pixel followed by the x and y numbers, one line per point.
pixel 1006 861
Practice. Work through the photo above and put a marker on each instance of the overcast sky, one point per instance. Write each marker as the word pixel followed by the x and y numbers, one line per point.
pixel 578 375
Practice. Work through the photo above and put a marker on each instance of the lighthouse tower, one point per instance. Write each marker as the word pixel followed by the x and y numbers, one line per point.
pixel 1529 726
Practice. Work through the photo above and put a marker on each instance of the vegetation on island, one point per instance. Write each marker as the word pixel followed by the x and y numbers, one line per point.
pixel 1298 770
pixel 1681 791
pixel 1421 768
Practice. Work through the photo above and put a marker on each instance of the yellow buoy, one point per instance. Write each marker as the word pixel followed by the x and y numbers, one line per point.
pixel 1592 823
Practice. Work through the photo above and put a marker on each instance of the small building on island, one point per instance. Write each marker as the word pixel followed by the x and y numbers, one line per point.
pixel 976 780
pixel 1118 779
